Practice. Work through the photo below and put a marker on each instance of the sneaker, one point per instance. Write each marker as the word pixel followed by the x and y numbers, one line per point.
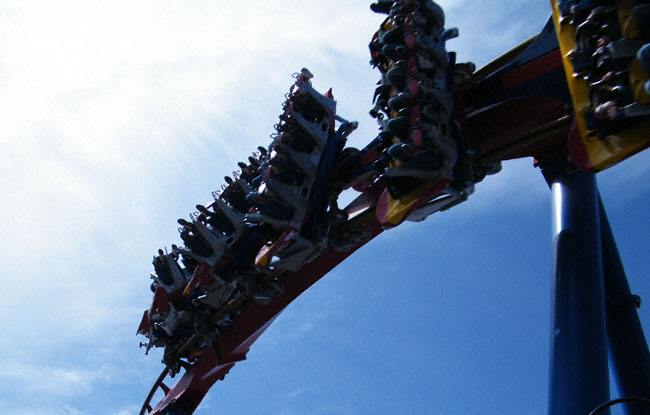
pixel 185 224
pixel 396 51
pixel 397 75
pixel 306 162
pixel 434 13
pixel 414 157
pixel 269 205
pixel 382 6
pixel 195 244
pixel 381 92
pixel 643 55
pixel 254 163
pixel 394 35
pixel 161 269
pixel 298 140
pixel 399 127
pixel 401 101
pixel 287 174
pixel 216 220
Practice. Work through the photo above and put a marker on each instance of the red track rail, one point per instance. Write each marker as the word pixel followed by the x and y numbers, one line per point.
pixel 520 126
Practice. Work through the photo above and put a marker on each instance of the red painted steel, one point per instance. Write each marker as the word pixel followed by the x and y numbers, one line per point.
pixel 487 130
pixel 213 363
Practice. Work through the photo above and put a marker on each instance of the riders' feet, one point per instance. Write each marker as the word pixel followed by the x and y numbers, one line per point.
pixel 382 6
pixel 399 126
pixel 413 157
pixel 397 75
pixel 185 223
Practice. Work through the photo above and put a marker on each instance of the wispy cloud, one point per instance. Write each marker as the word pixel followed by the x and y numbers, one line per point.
pixel 489 28
pixel 52 382
pixel 116 119
pixel 297 392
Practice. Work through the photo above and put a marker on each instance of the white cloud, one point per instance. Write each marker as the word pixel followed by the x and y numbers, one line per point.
pixel 489 29
pixel 298 392
pixel 73 411
pixel 118 117
pixel 52 382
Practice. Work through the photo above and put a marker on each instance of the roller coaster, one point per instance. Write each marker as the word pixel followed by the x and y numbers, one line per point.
pixel 575 97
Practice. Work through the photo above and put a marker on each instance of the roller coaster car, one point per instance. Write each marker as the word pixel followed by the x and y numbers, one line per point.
pixel 293 194
pixel 413 104
pixel 276 228
pixel 274 216
pixel 602 43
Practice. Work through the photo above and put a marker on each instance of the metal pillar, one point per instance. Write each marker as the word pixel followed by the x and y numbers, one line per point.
pixel 627 344
pixel 579 372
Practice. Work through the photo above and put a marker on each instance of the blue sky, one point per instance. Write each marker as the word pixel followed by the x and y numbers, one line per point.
pixel 116 120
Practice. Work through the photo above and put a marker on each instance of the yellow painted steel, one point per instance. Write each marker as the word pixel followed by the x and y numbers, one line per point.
pixel 398 208
pixel 604 153
pixel 263 258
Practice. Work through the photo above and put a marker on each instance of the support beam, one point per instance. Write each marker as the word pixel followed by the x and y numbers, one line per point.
pixel 579 373
pixel 627 344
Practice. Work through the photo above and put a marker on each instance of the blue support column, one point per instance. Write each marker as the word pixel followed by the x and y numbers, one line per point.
pixel 627 344
pixel 579 372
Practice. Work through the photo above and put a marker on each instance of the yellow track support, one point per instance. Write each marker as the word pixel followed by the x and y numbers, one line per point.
pixel 397 210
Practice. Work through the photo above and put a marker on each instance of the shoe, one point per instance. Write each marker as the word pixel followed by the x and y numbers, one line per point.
pixel 381 92
pixel 216 220
pixel 434 13
pixel 306 162
pixel 196 245
pixel 401 8
pixel 312 104
pixel 270 206
pixel 212 239
pixel 397 75
pixel 236 198
pixel 185 224
pixel 296 122
pixel 382 6
pixel 287 174
pixel 254 163
pixel 161 269
pixel 310 111
pixel 298 140
pixel 399 127
pixel 401 152
pixel 396 51
pixel 394 35
pixel 401 101
pixel 643 55
pixel 413 158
